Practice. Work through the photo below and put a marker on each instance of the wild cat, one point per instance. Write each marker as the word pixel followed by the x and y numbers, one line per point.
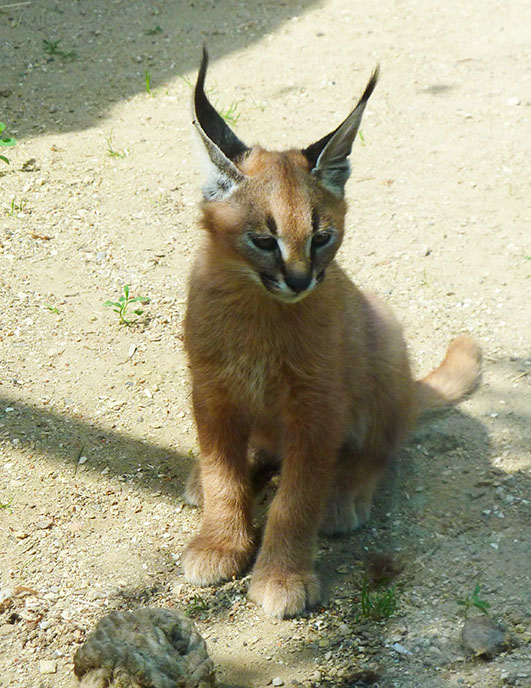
pixel 289 360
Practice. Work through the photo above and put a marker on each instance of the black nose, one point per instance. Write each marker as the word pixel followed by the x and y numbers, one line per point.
pixel 297 282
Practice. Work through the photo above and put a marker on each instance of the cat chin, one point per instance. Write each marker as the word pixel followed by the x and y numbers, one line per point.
pixel 279 294
pixel 291 298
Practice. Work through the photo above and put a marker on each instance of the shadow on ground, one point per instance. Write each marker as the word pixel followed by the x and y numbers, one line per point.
pixel 65 439
pixel 65 65
pixel 442 480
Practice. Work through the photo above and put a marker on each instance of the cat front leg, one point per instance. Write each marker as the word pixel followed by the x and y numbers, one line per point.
pixel 193 492
pixel 283 581
pixel 225 544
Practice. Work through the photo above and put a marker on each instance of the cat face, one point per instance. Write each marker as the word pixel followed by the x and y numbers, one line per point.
pixel 276 218
pixel 279 227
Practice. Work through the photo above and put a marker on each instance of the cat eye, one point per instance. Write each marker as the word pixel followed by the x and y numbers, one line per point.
pixel 321 239
pixel 265 242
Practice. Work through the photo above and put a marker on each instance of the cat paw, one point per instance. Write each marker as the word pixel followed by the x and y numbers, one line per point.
pixel 345 516
pixel 206 563
pixel 284 594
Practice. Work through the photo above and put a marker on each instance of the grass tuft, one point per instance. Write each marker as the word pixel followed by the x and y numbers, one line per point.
pixel 377 604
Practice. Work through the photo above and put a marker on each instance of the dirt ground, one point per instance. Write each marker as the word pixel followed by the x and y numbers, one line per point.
pixel 96 429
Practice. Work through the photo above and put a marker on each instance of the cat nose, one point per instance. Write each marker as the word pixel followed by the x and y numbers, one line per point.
pixel 297 282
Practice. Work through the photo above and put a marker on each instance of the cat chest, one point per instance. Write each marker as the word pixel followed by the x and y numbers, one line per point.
pixel 254 360
pixel 250 378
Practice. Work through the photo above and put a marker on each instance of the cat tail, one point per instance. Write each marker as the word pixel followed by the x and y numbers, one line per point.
pixel 454 379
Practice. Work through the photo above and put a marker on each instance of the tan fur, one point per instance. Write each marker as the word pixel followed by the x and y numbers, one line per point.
pixel 456 377
pixel 322 384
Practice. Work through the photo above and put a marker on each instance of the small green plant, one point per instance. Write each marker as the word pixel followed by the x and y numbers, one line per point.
pixel 5 142
pixel 377 604
pixel 115 153
pixel 52 309
pixel 196 605
pixel 474 601
pixel 52 48
pixel 7 505
pixel 153 32
pixel 147 81
pixel 16 207
pixel 362 138
pixel 120 307
pixel 230 114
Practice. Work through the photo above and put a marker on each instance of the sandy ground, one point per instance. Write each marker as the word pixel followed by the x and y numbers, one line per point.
pixel 96 429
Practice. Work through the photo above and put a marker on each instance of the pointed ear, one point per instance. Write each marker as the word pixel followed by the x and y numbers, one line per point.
pixel 328 156
pixel 219 142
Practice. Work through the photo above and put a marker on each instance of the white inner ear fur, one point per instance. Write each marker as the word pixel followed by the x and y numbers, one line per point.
pixel 222 174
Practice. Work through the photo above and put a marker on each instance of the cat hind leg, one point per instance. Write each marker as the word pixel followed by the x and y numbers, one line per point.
pixel 349 502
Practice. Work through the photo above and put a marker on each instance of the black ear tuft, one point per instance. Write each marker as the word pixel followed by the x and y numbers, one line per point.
pixel 221 145
pixel 328 156
pixel 211 122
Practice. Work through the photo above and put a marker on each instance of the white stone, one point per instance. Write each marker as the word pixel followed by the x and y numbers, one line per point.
pixel 47 666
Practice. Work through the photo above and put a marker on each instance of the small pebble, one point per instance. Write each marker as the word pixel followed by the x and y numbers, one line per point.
pixel 483 637
pixel 277 681
pixel 400 649
pixel 513 100
pixel 47 666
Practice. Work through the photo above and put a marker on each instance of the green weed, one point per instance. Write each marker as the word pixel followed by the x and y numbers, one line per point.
pixel 52 309
pixel 147 81
pixel 121 306
pixel 230 114
pixel 115 153
pixel 16 207
pixel 5 142
pixel 196 605
pixel 52 48
pixel 377 604
pixel 153 32
pixel 7 505
pixel 474 601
